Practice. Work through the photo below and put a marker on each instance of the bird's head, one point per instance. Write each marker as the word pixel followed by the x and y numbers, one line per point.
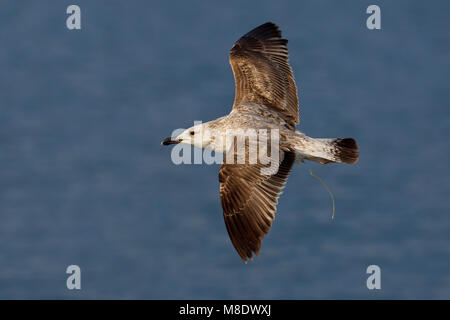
pixel 200 135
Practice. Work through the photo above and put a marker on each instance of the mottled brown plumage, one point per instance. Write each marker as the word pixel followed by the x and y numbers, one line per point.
pixel 262 73
pixel 265 99
pixel 249 202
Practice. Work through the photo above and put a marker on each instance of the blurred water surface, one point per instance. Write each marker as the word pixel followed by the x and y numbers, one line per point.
pixel 84 179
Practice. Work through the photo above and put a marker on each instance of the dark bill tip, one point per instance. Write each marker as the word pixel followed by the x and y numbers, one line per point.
pixel 168 141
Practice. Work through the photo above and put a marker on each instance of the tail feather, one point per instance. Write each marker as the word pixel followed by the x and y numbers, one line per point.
pixel 346 150
pixel 343 150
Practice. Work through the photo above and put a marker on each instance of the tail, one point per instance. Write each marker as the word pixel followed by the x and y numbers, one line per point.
pixel 332 150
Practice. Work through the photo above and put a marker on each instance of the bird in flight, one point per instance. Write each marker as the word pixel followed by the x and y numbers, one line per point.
pixel 265 99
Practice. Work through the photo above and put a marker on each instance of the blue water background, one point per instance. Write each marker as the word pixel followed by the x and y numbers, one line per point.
pixel 84 180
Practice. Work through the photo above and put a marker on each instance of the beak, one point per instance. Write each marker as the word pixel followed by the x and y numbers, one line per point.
pixel 168 141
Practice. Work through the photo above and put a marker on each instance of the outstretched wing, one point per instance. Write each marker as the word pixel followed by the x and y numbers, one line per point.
pixel 249 202
pixel 262 73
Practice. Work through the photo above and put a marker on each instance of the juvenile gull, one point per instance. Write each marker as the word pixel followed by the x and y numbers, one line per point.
pixel 265 98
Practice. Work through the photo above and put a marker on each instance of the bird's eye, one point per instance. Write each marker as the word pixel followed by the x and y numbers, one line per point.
pixel 191 133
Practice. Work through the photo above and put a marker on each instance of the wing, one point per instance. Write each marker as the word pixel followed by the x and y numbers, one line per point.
pixel 262 73
pixel 249 202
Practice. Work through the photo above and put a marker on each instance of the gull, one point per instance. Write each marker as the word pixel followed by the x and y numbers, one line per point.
pixel 265 99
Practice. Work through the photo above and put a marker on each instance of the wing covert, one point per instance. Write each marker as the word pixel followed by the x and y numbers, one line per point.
pixel 262 72
pixel 249 202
